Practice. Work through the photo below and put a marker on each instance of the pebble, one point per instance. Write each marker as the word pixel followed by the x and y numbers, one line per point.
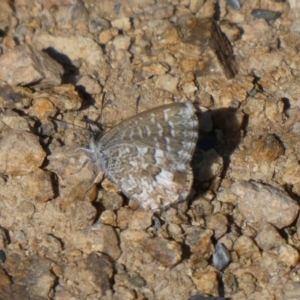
pixel 167 82
pixel 246 247
pixel 101 267
pixel 199 240
pixel 25 65
pixel 218 223
pixel 2 256
pixel 206 282
pixel 288 255
pixel 262 203
pixel 266 14
pixel 20 153
pixel 266 148
pixel 221 257
pixel 234 4
pixel 112 201
pixel 167 253
pixel 268 237
pixel 97 238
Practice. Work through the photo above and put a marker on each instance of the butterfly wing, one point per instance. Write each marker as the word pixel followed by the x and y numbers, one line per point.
pixel 148 177
pixel 148 156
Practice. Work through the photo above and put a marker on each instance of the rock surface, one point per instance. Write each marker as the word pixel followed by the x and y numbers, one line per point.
pixel 69 69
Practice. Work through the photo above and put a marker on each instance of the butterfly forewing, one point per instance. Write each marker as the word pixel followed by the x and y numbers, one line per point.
pixel 148 155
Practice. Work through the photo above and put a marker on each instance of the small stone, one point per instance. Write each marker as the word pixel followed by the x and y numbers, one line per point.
pixel 201 207
pixel 218 223
pixel 106 36
pixel 81 214
pixel 137 281
pixel 20 153
pixel 108 217
pixel 47 246
pixel 164 33
pixel 25 65
pixel 89 85
pixel 247 283
pixel 98 25
pixel 175 232
pixel 167 253
pixel 122 24
pixel 33 272
pixel 124 217
pixel 199 241
pixel 2 258
pixel 141 219
pixel 291 289
pixel 14 97
pixel 266 14
pixel 266 148
pixel 110 187
pixel 101 267
pixel 234 3
pixel 167 82
pixel 121 292
pixel 289 255
pixel 228 240
pixel 206 282
pixel 189 88
pixel 246 247
pixel 42 108
pixel 42 190
pixel 9 42
pixel 221 257
pixel 268 237
pixel 262 203
pixel 112 201
pixel 195 5
pixel 232 31
pixel 122 42
pixel 97 238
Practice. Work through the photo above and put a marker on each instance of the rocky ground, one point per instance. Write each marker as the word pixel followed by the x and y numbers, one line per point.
pixel 71 67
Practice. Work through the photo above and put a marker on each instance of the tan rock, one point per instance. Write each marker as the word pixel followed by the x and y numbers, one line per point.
pixel 167 253
pixel 206 282
pixel 108 217
pixel 167 82
pixel 27 66
pixel 199 240
pixel 260 203
pixel 246 247
pixel 218 223
pixel 268 237
pixel 21 153
pixel 289 255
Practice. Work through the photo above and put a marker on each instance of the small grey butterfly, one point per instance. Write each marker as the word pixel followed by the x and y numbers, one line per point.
pixel 148 155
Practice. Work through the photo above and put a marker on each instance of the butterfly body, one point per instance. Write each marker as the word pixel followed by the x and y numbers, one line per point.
pixel 148 155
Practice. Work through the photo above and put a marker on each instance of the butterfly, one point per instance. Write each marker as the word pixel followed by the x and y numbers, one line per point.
pixel 148 155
